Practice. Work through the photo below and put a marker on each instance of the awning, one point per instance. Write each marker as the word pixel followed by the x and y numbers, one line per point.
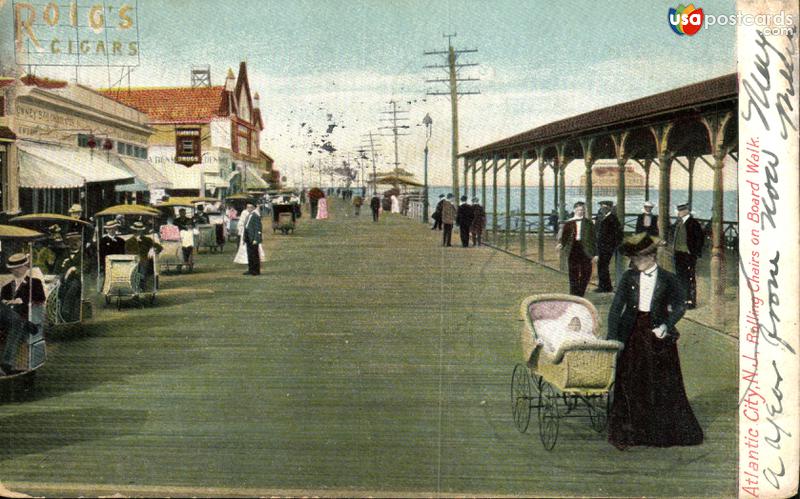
pixel 38 173
pixel 145 173
pixel 253 179
pixel 90 166
pixel 136 186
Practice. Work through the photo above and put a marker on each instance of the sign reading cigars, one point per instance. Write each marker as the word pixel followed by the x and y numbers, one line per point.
pixel 76 33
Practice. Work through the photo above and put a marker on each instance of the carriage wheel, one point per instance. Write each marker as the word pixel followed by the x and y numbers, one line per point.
pixel 548 416
pixel 521 396
pixel 598 413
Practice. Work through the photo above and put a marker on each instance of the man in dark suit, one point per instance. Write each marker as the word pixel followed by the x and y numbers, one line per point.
pixel 449 213
pixel 646 221
pixel 650 406
pixel 437 214
pixel 609 237
pixel 577 240
pixel 16 331
pixel 687 247
pixel 375 206
pixel 110 243
pixel 22 291
pixel 143 246
pixel 464 220
pixel 252 239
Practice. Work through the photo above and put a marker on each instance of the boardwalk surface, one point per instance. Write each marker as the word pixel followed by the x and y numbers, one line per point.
pixel 367 360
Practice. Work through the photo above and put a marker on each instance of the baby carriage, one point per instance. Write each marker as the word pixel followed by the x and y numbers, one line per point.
pixel 569 365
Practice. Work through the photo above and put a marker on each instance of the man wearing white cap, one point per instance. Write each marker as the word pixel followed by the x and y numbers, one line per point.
pixel 646 221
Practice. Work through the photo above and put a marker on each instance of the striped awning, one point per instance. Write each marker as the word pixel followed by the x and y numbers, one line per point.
pixel 52 166
pixel 145 173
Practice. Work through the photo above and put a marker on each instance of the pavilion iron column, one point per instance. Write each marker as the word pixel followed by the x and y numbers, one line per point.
pixel 562 160
pixel 466 171
pixel 494 198
pixel 474 173
pixel 588 161
pixel 716 125
pixel 508 200
pixel 622 155
pixel 555 187
pixel 661 134
pixel 483 182
pixel 542 168
pixel 523 229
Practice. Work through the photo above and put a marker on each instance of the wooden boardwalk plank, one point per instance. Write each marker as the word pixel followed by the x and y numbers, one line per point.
pixel 367 358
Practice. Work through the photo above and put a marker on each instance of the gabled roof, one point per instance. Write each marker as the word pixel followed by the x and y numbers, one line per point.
pixel 174 104
pixel 704 93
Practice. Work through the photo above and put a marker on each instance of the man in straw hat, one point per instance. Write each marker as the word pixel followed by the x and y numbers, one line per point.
pixel 110 243
pixel 646 221
pixel 144 247
pixel 22 290
pixel 69 270
pixel 650 406
pixel 577 240
pixel 687 247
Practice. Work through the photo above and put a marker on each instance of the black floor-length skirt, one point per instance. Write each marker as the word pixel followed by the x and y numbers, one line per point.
pixel 650 405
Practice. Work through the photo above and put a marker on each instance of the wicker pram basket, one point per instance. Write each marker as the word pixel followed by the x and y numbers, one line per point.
pixel 572 358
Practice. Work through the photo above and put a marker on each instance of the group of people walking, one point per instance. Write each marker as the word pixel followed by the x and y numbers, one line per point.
pixel 584 241
pixel 470 218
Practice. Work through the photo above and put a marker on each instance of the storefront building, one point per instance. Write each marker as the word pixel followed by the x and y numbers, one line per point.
pixel 71 145
pixel 206 138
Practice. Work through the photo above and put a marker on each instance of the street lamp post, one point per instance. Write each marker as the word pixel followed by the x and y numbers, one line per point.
pixel 428 122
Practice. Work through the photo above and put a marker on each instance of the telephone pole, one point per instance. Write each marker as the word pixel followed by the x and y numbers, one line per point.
pixel 453 67
pixel 370 138
pixel 398 116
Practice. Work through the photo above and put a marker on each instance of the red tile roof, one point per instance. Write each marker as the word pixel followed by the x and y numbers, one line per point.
pixel 41 82
pixel 4 82
pixel 174 104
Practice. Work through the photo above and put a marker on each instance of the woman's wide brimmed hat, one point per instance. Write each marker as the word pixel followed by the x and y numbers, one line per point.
pixel 639 244
pixel 17 260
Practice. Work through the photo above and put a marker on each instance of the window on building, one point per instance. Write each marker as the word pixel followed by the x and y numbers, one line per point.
pixel 129 149
pixel 243 140
pixel 83 140
pixel 120 148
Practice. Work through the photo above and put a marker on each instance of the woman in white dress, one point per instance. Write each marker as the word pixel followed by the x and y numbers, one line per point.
pixel 395 204
pixel 241 252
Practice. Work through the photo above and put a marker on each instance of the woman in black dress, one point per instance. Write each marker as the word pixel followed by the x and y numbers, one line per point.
pixel 650 406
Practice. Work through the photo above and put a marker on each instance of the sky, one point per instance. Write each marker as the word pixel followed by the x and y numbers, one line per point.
pixel 335 61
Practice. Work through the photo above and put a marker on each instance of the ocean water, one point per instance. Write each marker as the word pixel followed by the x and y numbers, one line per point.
pixel 701 201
